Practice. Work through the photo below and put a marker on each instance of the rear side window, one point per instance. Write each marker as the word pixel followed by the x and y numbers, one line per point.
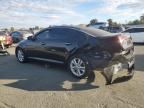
pixel 65 34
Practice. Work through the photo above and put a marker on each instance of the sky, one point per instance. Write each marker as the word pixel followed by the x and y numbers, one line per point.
pixel 29 13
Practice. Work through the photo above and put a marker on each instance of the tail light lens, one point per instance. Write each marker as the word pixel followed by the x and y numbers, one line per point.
pixel 124 41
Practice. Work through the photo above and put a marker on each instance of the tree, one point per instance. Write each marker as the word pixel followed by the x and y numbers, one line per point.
pixel 12 29
pixel 93 21
pixel 6 30
pixel 36 27
pixel 142 19
pixel 110 22
pixel 137 21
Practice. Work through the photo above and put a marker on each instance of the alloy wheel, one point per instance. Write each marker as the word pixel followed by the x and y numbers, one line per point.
pixel 77 67
pixel 20 55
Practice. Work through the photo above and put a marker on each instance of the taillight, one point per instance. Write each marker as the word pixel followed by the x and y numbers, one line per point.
pixel 122 39
pixel 125 41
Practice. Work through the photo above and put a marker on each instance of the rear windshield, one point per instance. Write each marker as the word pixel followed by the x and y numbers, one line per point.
pixel 95 32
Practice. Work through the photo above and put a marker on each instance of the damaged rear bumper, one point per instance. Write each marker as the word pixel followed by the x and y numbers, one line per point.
pixel 119 62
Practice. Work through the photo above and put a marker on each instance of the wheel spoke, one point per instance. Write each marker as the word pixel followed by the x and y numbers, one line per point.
pixel 79 62
pixel 82 68
pixel 20 55
pixel 77 67
pixel 75 61
pixel 78 72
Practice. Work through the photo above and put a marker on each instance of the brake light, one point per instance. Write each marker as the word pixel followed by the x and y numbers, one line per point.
pixel 123 41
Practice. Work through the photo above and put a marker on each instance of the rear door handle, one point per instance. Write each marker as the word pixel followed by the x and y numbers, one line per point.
pixel 67 43
pixel 42 43
pixel 53 50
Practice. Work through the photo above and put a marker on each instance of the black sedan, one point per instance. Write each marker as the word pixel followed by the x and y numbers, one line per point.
pixel 83 49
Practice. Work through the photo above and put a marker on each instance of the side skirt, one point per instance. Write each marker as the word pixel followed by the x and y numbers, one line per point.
pixel 47 60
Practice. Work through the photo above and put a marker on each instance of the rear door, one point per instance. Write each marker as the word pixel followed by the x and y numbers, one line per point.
pixel 61 42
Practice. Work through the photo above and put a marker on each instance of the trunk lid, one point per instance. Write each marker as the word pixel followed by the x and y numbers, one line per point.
pixel 116 42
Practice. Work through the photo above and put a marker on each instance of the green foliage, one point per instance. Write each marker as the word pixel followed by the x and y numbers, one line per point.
pixel 112 23
pixel 137 21
pixel 12 29
pixel 93 21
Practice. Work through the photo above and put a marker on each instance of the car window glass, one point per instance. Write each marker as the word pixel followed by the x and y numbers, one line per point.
pixel 43 35
pixel 16 34
pixel 135 30
pixel 128 31
pixel 59 33
pixel 139 30
pixel 65 34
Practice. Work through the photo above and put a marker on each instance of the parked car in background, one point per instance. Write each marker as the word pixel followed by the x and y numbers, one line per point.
pixel 5 39
pixel 83 49
pixel 115 29
pixel 16 36
pixel 137 34
pixel 20 35
pixel 98 25
pixel 26 33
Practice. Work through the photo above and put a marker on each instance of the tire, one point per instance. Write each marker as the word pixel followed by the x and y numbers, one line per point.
pixel 21 57
pixel 79 66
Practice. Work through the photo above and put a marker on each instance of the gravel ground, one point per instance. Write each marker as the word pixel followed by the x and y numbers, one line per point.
pixel 43 85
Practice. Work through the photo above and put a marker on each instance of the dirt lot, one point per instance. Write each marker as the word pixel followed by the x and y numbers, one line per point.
pixel 43 85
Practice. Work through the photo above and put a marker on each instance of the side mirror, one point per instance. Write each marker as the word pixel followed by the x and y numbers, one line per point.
pixel 31 38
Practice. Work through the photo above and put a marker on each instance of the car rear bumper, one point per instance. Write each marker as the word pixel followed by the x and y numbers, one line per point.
pixel 120 64
pixel 125 58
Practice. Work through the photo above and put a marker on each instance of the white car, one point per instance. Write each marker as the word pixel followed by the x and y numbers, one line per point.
pixel 137 34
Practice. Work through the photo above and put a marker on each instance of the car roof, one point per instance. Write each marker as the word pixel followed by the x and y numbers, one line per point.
pixel 89 30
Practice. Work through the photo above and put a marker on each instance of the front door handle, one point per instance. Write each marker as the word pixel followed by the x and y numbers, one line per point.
pixel 67 43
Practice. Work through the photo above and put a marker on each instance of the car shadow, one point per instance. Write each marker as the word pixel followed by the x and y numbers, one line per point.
pixel 121 79
pixel 41 76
